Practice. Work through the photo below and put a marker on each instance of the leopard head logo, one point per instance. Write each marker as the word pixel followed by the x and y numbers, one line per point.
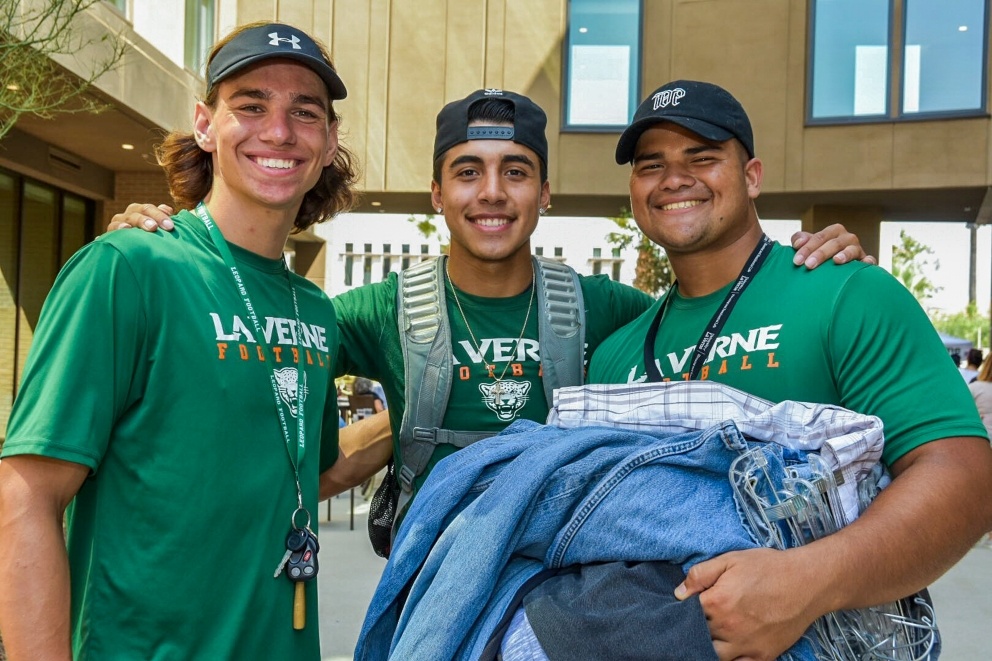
pixel 286 380
pixel 505 398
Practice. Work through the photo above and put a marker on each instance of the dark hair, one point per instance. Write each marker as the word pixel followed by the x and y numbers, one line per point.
pixel 189 169
pixel 494 111
pixel 974 357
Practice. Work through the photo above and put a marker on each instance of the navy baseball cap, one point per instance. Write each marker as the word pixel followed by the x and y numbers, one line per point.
pixel 705 109
pixel 269 41
pixel 529 123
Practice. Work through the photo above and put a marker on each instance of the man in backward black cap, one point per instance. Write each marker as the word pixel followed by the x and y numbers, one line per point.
pixel 186 418
pixel 490 181
pixel 865 345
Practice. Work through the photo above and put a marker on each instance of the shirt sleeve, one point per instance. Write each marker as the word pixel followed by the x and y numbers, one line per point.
pixel 85 366
pixel 362 317
pixel 889 362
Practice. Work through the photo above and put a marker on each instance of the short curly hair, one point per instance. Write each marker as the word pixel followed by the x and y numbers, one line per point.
pixel 189 169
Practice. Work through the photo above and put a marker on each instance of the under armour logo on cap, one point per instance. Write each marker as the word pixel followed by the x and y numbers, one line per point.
pixel 275 39
pixel 251 45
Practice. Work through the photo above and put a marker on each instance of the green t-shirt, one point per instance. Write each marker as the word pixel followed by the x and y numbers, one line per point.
pixel 849 335
pixel 371 347
pixel 145 368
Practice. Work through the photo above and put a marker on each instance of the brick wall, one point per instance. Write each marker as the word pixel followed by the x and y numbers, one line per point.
pixel 134 187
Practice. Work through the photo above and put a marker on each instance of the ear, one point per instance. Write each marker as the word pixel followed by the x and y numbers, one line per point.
pixel 436 195
pixel 203 118
pixel 545 195
pixel 753 171
pixel 332 144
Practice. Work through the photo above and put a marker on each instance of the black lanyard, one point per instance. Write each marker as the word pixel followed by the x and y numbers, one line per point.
pixel 712 331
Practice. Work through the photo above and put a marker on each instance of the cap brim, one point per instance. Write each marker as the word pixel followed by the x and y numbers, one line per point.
pixel 628 139
pixel 335 86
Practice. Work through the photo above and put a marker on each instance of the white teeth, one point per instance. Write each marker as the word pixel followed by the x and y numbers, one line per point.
pixel 280 163
pixel 492 222
pixel 681 205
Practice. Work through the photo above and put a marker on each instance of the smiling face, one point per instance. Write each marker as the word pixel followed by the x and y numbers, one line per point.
pixel 491 192
pixel 692 195
pixel 270 137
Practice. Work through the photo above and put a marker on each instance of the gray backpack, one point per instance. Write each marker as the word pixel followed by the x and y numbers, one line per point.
pixel 426 339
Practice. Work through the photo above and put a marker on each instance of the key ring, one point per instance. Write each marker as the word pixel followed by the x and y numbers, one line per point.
pixel 292 519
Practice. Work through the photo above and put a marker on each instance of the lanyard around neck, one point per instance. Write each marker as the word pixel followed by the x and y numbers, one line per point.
pixel 203 214
pixel 712 330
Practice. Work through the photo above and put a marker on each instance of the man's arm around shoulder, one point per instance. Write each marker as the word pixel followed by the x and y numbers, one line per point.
pixel 34 568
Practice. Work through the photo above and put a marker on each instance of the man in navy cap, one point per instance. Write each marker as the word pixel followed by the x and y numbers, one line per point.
pixel 739 315
pixel 186 419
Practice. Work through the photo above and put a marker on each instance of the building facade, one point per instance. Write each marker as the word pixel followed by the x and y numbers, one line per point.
pixel 863 110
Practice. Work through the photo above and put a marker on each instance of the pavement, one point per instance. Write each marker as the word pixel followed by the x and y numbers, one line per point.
pixel 349 571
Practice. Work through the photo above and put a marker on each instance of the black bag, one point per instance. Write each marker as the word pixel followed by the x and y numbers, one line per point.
pixel 382 512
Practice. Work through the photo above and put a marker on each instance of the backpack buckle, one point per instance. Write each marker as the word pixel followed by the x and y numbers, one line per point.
pixel 405 476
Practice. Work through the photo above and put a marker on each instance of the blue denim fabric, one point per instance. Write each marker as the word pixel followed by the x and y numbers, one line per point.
pixel 483 524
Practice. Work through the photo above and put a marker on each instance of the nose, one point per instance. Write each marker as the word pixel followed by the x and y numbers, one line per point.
pixel 278 129
pixel 492 191
pixel 675 177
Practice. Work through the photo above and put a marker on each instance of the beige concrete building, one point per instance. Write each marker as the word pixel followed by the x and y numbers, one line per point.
pixel 863 110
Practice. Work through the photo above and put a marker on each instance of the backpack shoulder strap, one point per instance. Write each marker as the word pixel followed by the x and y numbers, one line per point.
pixel 561 325
pixel 426 339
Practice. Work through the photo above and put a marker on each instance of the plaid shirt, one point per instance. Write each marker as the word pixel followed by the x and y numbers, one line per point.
pixel 850 443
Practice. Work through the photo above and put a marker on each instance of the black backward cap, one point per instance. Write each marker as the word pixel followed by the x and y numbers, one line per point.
pixel 529 123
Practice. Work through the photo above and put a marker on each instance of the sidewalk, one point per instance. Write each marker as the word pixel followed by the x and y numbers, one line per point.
pixel 349 571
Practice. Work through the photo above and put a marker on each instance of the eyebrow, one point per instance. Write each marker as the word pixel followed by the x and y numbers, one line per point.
pixel 691 151
pixel 462 160
pixel 264 95
pixel 306 99
pixel 475 160
pixel 518 158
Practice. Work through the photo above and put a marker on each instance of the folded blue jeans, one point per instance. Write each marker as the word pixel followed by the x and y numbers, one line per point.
pixel 500 511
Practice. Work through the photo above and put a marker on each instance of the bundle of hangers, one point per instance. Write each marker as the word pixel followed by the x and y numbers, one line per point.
pixel 792 505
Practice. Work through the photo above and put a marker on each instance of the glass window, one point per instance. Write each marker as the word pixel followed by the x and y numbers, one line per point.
pixel 199 33
pixel 75 225
pixel 943 55
pixel 349 263
pixel 367 265
pixel 850 58
pixel 597 261
pixel 60 223
pixel 8 286
pixel 121 5
pixel 940 58
pixel 602 62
